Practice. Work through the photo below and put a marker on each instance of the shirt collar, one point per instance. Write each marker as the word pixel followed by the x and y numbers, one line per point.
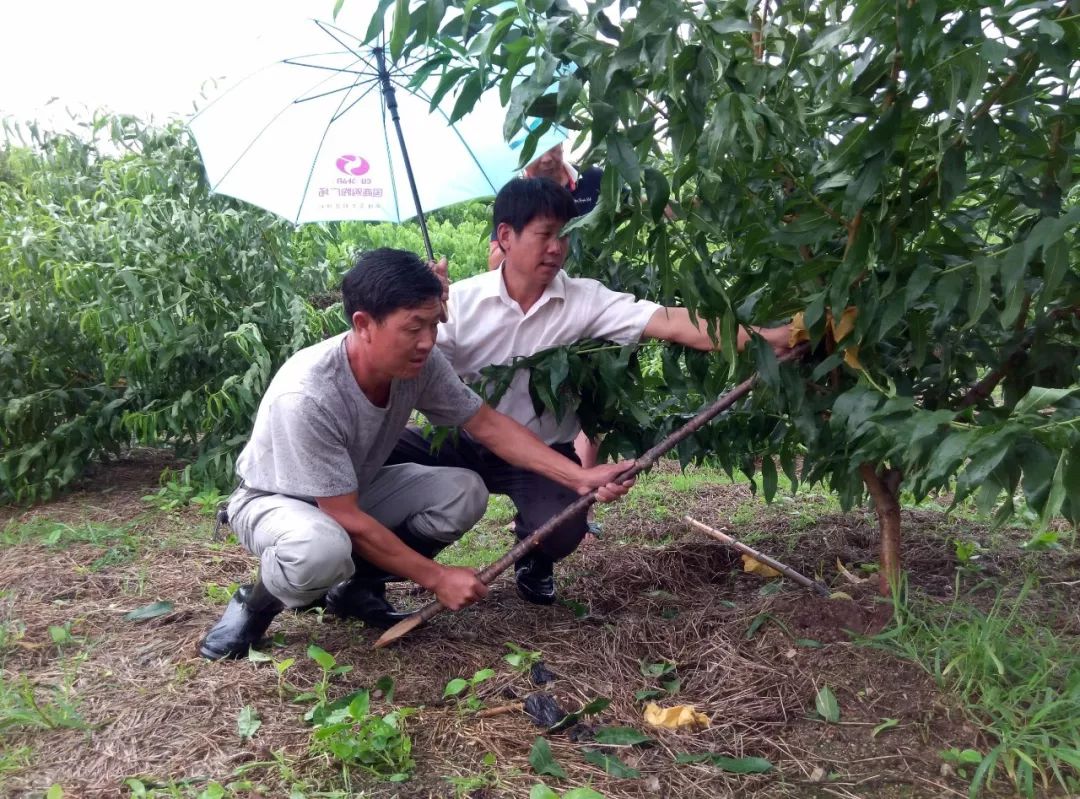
pixel 495 286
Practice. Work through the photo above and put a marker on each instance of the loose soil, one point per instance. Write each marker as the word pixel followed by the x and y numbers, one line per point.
pixel 748 657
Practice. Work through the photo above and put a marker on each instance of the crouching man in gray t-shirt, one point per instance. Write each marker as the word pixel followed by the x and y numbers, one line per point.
pixel 316 504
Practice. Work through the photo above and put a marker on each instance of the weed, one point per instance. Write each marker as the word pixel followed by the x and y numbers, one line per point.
pixel 14 759
pixel 21 708
pixel 175 492
pixel 662 671
pixel 281 667
pixel 1017 681
pixel 208 500
pixel 378 745
pixel 220 594
pixel 61 634
pixel 459 685
pixel 465 786
pixel 330 669
pixel 520 660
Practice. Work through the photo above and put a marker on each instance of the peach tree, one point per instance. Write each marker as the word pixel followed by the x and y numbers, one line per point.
pixel 906 170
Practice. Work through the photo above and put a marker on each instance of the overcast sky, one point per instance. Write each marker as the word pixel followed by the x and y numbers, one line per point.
pixel 137 56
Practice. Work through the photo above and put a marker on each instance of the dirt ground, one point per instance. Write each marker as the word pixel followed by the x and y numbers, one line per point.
pixel 157 711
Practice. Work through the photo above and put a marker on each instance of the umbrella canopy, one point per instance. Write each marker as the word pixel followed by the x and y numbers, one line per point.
pixel 310 136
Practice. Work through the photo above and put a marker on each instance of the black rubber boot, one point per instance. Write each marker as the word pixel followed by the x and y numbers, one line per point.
pixel 243 624
pixel 365 599
pixel 536 578
pixel 363 596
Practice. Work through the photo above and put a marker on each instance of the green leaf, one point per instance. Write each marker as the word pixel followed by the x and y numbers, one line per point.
pixel 541 791
pixel 386 685
pixel 865 184
pixel 735 765
pixel 466 99
pixel 55 791
pixel 658 192
pixel 543 762
pixel 247 723
pixel 623 158
pixel 337 7
pixel 400 32
pixel 321 656
pixel 151 611
pixel 1038 398
pixel 455 687
pixel 755 625
pixel 1056 497
pixel 826 705
pixel 621 736
pixel 584 792
pixel 886 724
pixel 611 764
pixel 768 477
pixel 979 297
pixel 255 656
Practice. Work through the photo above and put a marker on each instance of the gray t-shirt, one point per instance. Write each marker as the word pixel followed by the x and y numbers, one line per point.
pixel 318 435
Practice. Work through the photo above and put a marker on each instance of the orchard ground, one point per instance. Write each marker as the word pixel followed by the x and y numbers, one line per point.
pixel 102 705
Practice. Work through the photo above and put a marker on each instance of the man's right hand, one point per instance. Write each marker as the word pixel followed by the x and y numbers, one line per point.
pixel 457 587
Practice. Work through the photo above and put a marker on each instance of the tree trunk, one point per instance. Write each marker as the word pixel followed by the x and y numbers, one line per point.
pixel 884 487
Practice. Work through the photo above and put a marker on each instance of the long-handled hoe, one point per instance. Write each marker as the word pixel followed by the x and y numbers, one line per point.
pixel 492 571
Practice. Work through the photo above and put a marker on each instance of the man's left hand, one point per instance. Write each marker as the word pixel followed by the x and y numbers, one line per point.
pixel 442 271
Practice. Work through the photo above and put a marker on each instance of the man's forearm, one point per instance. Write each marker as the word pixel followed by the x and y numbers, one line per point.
pixel 378 545
pixel 519 446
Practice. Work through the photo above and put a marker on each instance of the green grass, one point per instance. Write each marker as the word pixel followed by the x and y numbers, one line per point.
pixel 1017 681
pixel 487 541
pixel 26 706
pixel 120 544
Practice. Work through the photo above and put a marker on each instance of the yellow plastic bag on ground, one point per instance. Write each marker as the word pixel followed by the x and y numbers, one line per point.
pixel 674 718
pixel 755 566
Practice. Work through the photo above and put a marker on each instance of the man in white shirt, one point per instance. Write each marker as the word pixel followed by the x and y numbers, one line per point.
pixel 529 304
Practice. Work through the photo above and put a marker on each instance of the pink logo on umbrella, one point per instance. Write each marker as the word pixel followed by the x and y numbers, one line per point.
pixel 352 165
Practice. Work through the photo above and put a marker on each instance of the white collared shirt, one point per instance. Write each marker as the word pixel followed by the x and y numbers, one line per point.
pixel 487 327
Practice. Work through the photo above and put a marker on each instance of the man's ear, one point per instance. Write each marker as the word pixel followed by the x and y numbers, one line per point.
pixel 502 235
pixel 362 324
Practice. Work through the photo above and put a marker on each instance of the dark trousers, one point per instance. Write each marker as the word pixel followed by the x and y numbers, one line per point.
pixel 536 498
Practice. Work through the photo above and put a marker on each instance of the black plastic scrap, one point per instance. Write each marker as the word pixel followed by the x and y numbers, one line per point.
pixel 541 674
pixel 543 710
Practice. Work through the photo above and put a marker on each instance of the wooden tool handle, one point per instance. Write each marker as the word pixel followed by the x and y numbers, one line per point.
pixel 529 543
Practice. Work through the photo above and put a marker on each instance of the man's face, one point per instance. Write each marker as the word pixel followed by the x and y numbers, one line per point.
pixel 549 165
pixel 401 343
pixel 538 251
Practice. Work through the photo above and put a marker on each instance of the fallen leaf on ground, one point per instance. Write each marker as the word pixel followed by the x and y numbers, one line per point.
pixel 754 566
pixel 840 595
pixel 674 718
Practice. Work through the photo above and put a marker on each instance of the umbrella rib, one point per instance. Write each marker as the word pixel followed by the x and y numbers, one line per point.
pixel 438 110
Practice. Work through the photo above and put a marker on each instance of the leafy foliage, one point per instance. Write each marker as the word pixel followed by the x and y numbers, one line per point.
pixel 914 162
pixel 137 308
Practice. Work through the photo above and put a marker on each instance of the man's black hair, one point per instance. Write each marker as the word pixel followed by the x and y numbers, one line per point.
pixel 384 280
pixel 522 200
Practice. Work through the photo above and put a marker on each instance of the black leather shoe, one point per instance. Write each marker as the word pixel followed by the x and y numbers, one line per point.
pixel 364 599
pixel 242 625
pixel 536 579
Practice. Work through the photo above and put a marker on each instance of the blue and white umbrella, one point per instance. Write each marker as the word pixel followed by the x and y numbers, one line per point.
pixel 309 137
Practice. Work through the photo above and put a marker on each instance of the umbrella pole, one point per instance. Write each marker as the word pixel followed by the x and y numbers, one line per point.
pixel 391 103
